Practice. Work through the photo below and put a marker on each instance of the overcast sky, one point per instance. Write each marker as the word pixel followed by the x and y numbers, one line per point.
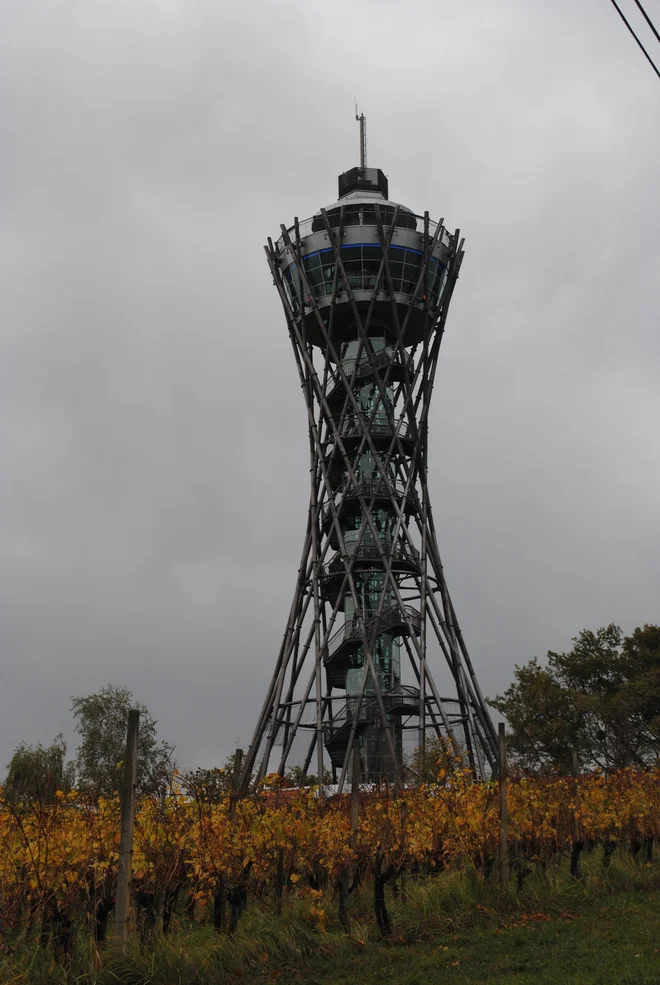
pixel 153 450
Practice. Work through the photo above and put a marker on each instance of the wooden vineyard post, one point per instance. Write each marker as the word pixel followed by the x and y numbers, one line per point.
pixel 125 869
pixel 10 798
pixel 279 867
pixel 404 826
pixel 348 875
pixel 355 790
pixel 219 893
pixel 236 777
pixel 576 843
pixel 237 894
pixel 504 821
pixel 344 889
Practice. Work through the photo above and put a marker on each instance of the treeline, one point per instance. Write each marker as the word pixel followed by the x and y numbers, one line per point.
pixel 600 700
pixel 36 772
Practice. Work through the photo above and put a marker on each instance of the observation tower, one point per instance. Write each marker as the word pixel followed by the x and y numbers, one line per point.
pixel 365 285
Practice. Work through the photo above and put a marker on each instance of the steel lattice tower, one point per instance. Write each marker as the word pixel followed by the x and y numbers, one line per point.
pixel 365 286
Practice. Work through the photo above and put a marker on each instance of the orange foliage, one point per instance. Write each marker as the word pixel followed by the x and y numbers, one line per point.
pixel 67 851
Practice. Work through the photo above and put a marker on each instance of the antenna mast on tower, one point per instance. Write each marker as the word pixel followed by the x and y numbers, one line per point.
pixel 362 120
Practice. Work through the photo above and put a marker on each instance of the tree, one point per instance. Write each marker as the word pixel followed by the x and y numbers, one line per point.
pixel 101 721
pixel 210 785
pixel 641 661
pixel 439 758
pixel 600 699
pixel 296 777
pixel 35 773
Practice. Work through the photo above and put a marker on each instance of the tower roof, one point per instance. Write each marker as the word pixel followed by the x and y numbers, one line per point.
pixel 363 179
pixel 364 187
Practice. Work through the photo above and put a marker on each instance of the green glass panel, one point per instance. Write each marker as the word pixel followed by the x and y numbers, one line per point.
pixel 371 270
pixel 351 254
pixel 354 274
pixel 396 273
pixel 373 253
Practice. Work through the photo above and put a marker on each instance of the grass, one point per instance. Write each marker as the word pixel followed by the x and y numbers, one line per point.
pixel 612 942
pixel 603 930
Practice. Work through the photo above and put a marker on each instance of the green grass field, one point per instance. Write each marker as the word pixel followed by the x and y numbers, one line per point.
pixel 612 941
pixel 453 927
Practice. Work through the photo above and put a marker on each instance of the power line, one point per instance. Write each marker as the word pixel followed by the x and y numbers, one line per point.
pixel 648 19
pixel 623 18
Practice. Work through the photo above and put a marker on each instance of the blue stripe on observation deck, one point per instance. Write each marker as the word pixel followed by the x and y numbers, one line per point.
pixel 351 246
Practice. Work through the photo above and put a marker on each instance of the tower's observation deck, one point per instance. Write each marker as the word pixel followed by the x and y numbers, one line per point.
pixel 361 212
pixel 366 285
